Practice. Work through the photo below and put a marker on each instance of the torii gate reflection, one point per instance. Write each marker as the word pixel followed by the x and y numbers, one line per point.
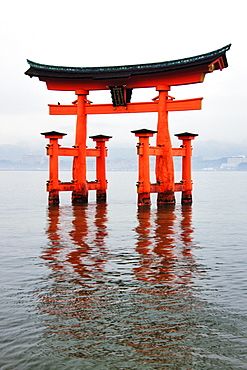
pixel 164 244
pixel 86 305
pixel 120 81
pixel 78 247
pixel 71 245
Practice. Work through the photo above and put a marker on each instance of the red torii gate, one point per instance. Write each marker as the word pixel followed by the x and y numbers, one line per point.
pixel 120 81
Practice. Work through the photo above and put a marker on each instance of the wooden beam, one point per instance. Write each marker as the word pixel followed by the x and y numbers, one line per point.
pixel 68 152
pixel 181 105
pixel 172 78
pixel 92 152
pixel 179 152
pixel 178 186
pixel 62 109
pixel 93 185
pixel 143 107
pixel 155 188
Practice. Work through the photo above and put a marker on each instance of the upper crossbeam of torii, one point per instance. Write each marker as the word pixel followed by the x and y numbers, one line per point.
pixel 120 81
pixel 175 72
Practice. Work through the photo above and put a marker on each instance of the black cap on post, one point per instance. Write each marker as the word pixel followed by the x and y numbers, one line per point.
pixel 53 135
pixel 100 137
pixel 185 134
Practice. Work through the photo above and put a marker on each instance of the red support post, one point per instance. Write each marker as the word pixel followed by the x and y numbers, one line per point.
pixel 143 184
pixel 164 162
pixel 80 195
pixel 101 166
pixel 186 137
pixel 52 151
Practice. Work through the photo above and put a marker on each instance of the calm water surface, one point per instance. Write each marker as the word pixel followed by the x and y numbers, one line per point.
pixel 111 287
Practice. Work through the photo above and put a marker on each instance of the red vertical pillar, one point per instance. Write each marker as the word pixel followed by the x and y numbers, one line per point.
pixel 164 162
pixel 52 151
pixel 101 166
pixel 143 185
pixel 80 195
pixel 186 137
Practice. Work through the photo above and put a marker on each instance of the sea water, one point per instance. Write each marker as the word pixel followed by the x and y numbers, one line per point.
pixel 108 286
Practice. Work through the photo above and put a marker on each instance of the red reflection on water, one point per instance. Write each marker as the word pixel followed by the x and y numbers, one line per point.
pixel 77 239
pixel 187 231
pixel 54 247
pixel 164 244
pixel 78 289
pixel 89 256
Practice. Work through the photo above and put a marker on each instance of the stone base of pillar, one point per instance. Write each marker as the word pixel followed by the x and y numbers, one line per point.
pixel 144 199
pixel 53 197
pixel 167 197
pixel 186 198
pixel 79 197
pixel 101 197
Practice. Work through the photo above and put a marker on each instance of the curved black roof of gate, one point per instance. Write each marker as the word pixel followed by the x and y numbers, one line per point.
pixel 125 71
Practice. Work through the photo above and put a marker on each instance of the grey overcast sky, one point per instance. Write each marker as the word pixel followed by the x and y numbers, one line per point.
pixel 99 33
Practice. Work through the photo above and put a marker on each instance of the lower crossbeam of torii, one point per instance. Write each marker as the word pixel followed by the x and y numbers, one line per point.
pixel 120 81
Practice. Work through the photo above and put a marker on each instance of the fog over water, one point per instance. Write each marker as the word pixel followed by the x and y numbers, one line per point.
pixel 151 33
